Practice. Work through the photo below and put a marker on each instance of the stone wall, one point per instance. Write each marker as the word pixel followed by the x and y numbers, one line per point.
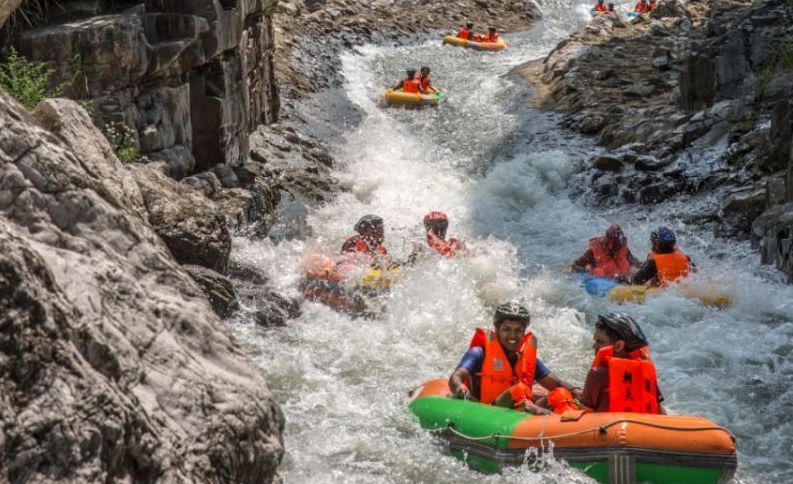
pixel 191 77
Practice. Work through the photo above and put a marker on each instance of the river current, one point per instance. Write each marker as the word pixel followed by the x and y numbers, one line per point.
pixel 502 171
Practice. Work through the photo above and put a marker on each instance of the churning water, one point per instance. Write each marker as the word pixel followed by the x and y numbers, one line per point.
pixel 500 169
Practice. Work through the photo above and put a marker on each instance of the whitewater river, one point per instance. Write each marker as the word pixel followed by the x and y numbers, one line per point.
pixel 501 170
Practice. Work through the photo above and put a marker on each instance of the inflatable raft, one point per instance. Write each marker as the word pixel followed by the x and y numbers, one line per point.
pixel 622 293
pixel 397 98
pixel 615 448
pixel 457 41
pixel 344 284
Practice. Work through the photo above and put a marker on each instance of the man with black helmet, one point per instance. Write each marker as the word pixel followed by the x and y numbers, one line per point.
pixel 410 85
pixel 501 366
pixel 665 263
pixel 369 239
pixel 621 351
pixel 466 32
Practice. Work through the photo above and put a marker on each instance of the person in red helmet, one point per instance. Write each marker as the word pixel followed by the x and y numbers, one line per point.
pixel 369 239
pixel 436 224
pixel 608 256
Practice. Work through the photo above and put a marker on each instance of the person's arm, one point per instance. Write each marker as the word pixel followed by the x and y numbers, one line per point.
pixel 469 365
pixel 585 262
pixel 646 272
pixel 593 388
pixel 692 265
pixel 633 260
pixel 397 86
pixel 549 381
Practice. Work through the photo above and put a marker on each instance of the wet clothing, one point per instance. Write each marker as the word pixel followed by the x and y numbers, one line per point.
pixel 637 390
pixel 673 268
pixel 642 7
pixel 359 244
pixel 443 247
pixel 473 361
pixel 466 34
pixel 490 38
pixel 600 7
pixel 589 259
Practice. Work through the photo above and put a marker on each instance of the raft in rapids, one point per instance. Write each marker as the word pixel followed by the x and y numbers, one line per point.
pixel 708 295
pixel 398 99
pixel 458 42
pixel 615 448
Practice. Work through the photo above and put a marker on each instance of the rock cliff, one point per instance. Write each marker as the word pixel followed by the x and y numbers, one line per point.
pixel 113 366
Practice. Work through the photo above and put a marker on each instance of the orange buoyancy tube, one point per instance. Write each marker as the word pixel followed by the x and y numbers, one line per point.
pixel 411 86
pixel 607 265
pixel 443 247
pixel 671 267
pixel 633 384
pixel 356 243
pixel 497 374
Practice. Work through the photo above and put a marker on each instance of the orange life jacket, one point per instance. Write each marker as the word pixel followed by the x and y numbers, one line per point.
pixel 599 7
pixel 607 265
pixel 633 385
pixel 497 374
pixel 356 243
pixel 411 86
pixel 652 6
pixel 561 400
pixel 490 38
pixel 641 7
pixel 443 247
pixel 464 33
pixel 671 267
pixel 425 83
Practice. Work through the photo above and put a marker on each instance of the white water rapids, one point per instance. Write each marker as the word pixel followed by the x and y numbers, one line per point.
pixel 500 170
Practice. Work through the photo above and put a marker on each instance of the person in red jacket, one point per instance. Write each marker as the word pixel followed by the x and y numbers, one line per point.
pixel 642 7
pixel 612 9
pixel 424 80
pixel 501 366
pixel 652 5
pixel 621 349
pixel 600 7
pixel 369 239
pixel 466 32
pixel 411 85
pixel 608 256
pixel 491 35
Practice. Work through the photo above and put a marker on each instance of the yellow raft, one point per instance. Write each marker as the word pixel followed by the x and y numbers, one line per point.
pixel 708 295
pixel 457 41
pixel 379 279
pixel 397 98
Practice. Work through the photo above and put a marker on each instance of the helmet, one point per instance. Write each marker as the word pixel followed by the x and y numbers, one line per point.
pixel 411 72
pixel 512 311
pixel 437 220
pixel 425 69
pixel 470 25
pixel 663 236
pixel 614 238
pixel 368 222
pixel 626 327
pixel 491 29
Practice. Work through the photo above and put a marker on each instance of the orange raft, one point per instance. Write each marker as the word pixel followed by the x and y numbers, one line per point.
pixel 457 41
pixel 609 447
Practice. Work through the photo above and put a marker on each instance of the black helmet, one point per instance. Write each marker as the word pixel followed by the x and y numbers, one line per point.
pixel 411 72
pixel 626 327
pixel 470 25
pixel 512 311
pixel 425 69
pixel 663 236
pixel 368 222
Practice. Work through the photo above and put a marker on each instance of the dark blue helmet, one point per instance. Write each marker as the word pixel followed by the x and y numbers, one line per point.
pixel 626 327
pixel 663 236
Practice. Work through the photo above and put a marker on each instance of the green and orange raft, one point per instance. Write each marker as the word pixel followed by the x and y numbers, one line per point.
pixel 612 448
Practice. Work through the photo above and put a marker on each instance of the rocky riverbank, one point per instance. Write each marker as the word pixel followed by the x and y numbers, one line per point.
pixel 693 99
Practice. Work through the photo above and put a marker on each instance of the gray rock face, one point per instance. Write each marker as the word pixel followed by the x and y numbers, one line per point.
pixel 218 289
pixel 6 8
pixel 190 78
pixel 113 367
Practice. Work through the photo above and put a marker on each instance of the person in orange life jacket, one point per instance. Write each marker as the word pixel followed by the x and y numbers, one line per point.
pixel 652 5
pixel 491 35
pixel 501 366
pixel 424 80
pixel 611 8
pixel 466 32
pixel 369 240
pixel 665 263
pixel 608 256
pixel 436 224
pixel 600 7
pixel 622 376
pixel 411 85
pixel 642 7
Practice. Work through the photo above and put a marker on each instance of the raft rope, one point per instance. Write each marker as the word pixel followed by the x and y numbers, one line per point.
pixel 600 429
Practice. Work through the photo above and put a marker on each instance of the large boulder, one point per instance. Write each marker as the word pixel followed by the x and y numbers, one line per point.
pixel 113 366
pixel 7 8
pixel 188 222
pixel 218 289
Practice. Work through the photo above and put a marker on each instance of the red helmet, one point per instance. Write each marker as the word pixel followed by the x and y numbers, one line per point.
pixel 615 238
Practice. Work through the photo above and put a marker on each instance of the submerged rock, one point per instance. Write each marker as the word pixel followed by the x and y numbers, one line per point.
pixel 114 366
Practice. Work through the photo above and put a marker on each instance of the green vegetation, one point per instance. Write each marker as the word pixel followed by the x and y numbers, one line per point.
pixel 26 81
pixel 763 80
pixel 781 58
pixel 122 139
